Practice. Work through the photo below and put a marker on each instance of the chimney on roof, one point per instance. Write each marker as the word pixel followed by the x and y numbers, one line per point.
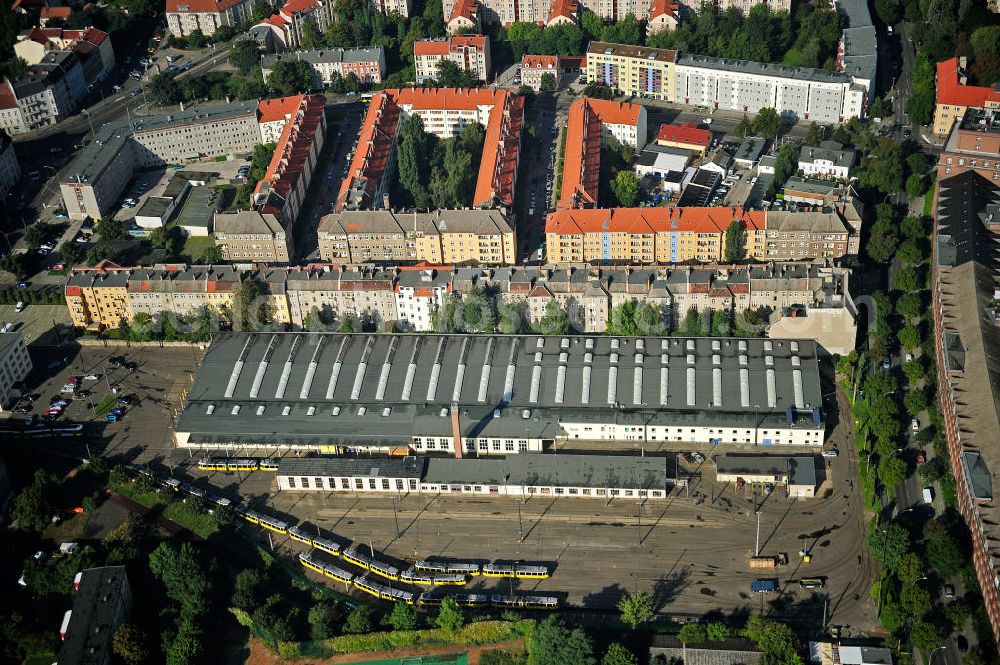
pixel 456 431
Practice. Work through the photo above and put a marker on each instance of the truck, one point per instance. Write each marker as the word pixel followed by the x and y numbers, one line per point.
pixel 764 586
pixel 769 561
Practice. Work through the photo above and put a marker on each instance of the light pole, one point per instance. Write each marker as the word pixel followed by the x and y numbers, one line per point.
pixel 756 549
pixel 85 112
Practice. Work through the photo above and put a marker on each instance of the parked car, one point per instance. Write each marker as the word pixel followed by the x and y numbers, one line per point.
pixel 914 424
pixel 832 452
pixel 59 266
pixel 921 457
pixel 23 285
pixel 93 377
pixel 698 457
pixel 886 364
pixel 19 307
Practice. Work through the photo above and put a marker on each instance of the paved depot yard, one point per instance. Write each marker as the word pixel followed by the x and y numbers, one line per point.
pixel 689 551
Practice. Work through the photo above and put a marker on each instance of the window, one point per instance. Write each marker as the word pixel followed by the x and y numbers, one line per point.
pixel 359 484
pixel 385 483
pixel 371 483
pixel 305 483
pixel 345 483
pixel 291 482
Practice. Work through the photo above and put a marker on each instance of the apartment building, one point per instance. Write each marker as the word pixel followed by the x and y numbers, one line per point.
pixel 181 289
pixel 746 5
pixel 365 291
pixel 973 145
pixel 97 297
pixel 102 601
pixel 401 7
pixel 633 70
pixel 186 16
pixel 444 112
pixel 551 12
pixel 534 67
pixel 469 52
pixel 670 235
pixel 92 47
pixel 954 96
pixel 282 190
pixel 796 93
pixel 857 51
pixel 367 64
pixel 10 168
pixel 444 236
pixel 283 30
pixel 15 366
pixel 589 123
pixel 95 179
pixel 46 93
pixel 250 236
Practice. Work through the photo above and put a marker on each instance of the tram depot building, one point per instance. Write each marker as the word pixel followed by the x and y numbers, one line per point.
pixel 497 395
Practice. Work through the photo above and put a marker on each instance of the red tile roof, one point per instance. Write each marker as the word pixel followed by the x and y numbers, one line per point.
pixel 7 98
pixel 296 6
pixel 56 12
pixel 446 46
pixel 582 161
pixel 651 220
pixel 688 133
pixel 497 168
pixel 540 62
pixel 272 110
pixel 951 91
pixel 465 9
pixel 660 7
pixel 293 149
pixel 200 6
pixel 563 8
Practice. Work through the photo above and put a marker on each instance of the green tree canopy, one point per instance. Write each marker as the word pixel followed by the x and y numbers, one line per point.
pixel 767 123
pixel 450 616
pixel 291 77
pixel 618 655
pixel 244 56
pixel 636 609
pixel 692 633
pixel 734 242
pixel 404 617
pixel 625 187
pixel 553 643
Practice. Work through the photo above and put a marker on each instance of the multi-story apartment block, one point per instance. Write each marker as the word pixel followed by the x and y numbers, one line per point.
pixel 444 112
pixel 589 122
pixel 857 52
pixel 739 85
pixel 98 297
pixel 954 96
pixel 92 47
pixel 407 297
pixel 15 366
pixel 670 235
pixel 746 5
pixel 10 169
pixel 633 70
pixel 556 12
pixel 99 173
pixel 464 17
pixel 367 64
pixel 468 52
pixel 250 236
pixel 483 237
pixel 46 93
pixel 186 16
pixel 281 191
pixel 181 290
pixel 283 30
pixel 101 603
pixel 973 145
pixel 534 67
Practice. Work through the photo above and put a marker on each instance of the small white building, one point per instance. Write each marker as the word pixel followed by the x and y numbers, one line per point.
pixel 828 159
pixel 657 160
pixel 418 295
pixel 15 365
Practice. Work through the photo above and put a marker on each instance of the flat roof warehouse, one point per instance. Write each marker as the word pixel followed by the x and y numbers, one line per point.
pixel 317 389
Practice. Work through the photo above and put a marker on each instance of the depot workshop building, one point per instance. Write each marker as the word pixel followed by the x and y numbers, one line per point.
pixel 498 394
pixel 517 475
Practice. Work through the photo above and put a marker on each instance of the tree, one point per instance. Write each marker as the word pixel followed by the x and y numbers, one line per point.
pixel 943 553
pixel 311 36
pixel 182 574
pixel 911 252
pixel 814 133
pixel 112 229
pixel 775 639
pixel 404 617
pixel 70 252
pixel 916 185
pixel 186 646
pixel 412 152
pixel 618 655
pixel 892 472
pixel 32 509
pixel 909 337
pixel 450 617
pixel 291 77
pixel 915 600
pixel 692 633
pixel 636 608
pixel 250 309
pixel 323 620
pixel 926 636
pixel 767 123
pixel 717 632
pixel 450 75
pixel 547 84
pixel 910 569
pixel 893 540
pixel 625 187
pixel 914 401
pixel 244 56
pixel 358 620
pixel 907 279
pixel 211 255
pixel 164 89
pixel 248 589
pixel 553 643
pixel 593 26
pixel 887 11
pixel 129 644
pixel 626 30
pixel 913 227
pixel 883 168
pixel 734 242
pixel 555 321
pixel 122 543
pixel 745 128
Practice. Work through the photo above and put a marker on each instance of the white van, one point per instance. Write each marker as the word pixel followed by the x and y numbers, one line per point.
pixel 19 307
